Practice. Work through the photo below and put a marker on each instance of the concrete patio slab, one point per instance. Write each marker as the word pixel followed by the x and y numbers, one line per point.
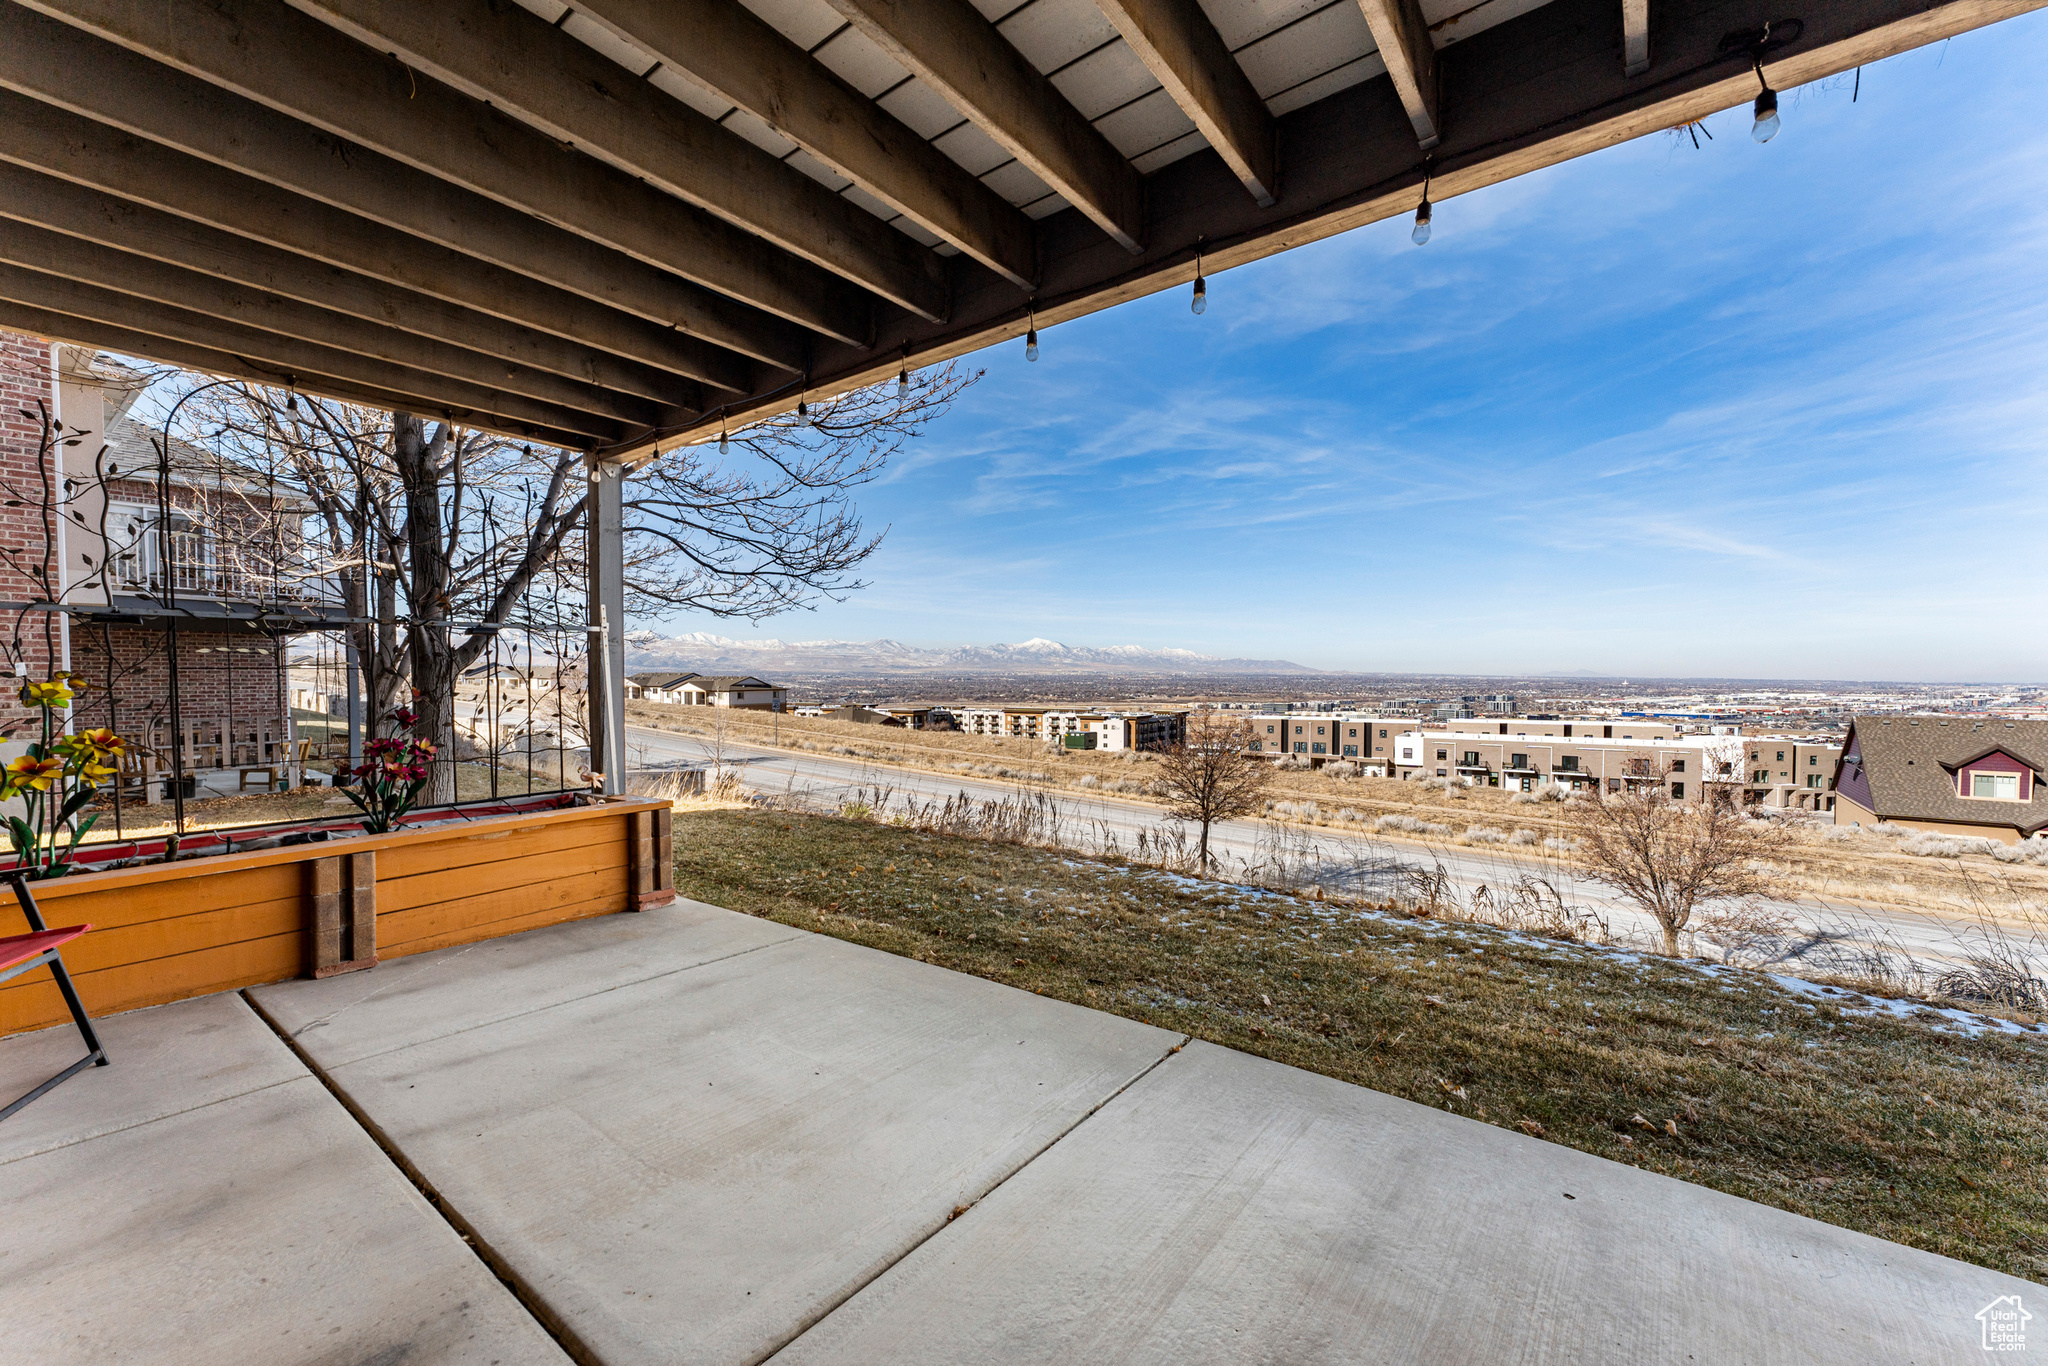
pixel 162 1061
pixel 211 1224
pixel 431 995
pixel 697 1166
pixel 1229 1209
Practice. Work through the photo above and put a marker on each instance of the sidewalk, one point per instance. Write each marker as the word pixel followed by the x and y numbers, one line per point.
pixel 696 1136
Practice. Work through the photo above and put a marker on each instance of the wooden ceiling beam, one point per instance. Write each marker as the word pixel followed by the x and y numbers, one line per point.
pixel 511 58
pixel 182 146
pixel 724 47
pixel 272 55
pixel 1182 49
pixel 958 53
pixel 52 325
pixel 1402 36
pixel 81 212
pixel 289 360
pixel 53 253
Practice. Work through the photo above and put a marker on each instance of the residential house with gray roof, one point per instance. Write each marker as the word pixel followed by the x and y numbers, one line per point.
pixel 1954 775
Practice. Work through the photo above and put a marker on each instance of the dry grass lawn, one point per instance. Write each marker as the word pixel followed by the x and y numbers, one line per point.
pixel 1893 1127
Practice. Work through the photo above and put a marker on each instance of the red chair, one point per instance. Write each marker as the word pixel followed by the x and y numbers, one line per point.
pixel 21 952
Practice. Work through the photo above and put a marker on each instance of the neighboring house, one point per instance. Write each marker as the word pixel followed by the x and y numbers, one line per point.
pixel 659 687
pixel 222 559
pixel 733 690
pixel 1955 775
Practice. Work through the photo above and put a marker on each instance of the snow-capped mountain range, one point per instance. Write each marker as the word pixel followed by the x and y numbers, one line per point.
pixel 715 654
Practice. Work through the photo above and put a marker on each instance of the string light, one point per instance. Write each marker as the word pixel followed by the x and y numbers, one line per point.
pixel 1031 334
pixel 903 378
pixel 803 413
pixel 723 444
pixel 1200 303
pixel 1422 210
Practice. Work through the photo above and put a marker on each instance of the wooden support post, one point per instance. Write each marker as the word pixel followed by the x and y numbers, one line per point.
pixel 343 905
pixel 650 858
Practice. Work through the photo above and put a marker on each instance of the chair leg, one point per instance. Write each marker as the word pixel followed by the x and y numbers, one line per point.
pixel 95 1056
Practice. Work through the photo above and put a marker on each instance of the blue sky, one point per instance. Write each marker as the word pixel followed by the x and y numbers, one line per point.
pixel 1761 411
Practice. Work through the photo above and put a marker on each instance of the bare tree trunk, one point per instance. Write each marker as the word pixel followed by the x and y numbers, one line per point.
pixel 416 459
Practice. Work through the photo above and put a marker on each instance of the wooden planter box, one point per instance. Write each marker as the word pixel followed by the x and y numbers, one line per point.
pixel 168 931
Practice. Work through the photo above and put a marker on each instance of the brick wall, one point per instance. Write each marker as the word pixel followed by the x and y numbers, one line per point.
pixel 220 676
pixel 25 380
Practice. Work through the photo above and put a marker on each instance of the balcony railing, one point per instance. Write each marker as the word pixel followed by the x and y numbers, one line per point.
pixel 197 573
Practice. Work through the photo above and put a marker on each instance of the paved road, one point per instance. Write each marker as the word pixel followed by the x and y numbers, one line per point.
pixel 1364 864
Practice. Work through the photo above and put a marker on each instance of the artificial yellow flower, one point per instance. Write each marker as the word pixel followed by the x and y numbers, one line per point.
pixel 25 773
pixel 103 741
pixel 55 693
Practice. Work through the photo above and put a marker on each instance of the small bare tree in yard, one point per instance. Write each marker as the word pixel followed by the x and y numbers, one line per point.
pixel 1674 858
pixel 1212 775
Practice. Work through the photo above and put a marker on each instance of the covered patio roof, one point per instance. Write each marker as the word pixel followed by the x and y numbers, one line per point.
pixel 614 225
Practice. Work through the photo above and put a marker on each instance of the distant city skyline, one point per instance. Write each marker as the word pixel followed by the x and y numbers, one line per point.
pixel 1756 411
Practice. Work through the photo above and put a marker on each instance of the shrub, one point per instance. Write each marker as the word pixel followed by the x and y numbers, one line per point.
pixel 1484 834
pixel 1410 825
pixel 1524 837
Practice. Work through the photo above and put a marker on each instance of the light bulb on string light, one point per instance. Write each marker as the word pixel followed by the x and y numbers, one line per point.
pixel 903 378
pixel 1200 303
pixel 1422 211
pixel 724 444
pixel 1030 334
pixel 803 413
pixel 1766 126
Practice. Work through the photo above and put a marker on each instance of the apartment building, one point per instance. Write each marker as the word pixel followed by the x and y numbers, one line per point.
pixel 1777 771
pixel 1793 773
pixel 1110 730
pixel 1369 739
pixel 1684 767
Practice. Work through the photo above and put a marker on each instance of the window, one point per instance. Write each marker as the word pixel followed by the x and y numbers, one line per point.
pixel 1301 746
pixel 1999 787
pixel 1518 761
pixel 1319 748
pixel 1319 730
pixel 1813 780
pixel 1258 745
pixel 1569 763
pixel 1442 754
pixel 1350 751
pixel 1471 758
pixel 1439 773
pixel 1299 731
pixel 1678 765
pixel 1781 756
pixel 1678 792
pixel 1761 776
pixel 1269 730
pixel 1812 760
pixel 1383 732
